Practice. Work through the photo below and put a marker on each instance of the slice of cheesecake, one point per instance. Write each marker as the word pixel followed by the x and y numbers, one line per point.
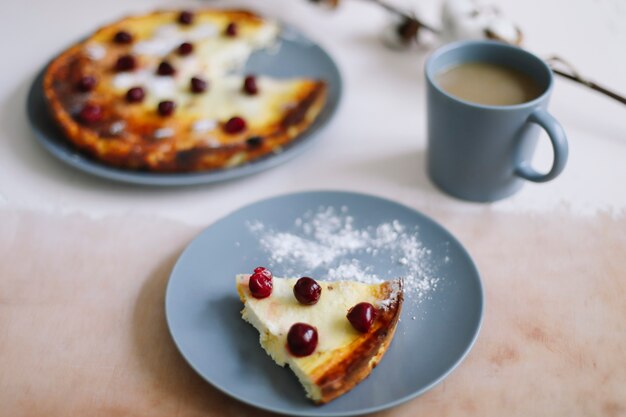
pixel 343 356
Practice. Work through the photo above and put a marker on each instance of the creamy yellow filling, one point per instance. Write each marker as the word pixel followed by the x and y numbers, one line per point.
pixel 214 57
pixel 273 316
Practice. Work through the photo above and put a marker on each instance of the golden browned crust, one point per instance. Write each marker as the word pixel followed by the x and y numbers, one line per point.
pixel 136 148
pixel 355 362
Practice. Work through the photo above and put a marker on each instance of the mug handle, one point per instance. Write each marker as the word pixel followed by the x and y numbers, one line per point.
pixel 559 145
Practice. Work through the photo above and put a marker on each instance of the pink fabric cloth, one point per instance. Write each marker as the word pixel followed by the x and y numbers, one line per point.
pixel 83 333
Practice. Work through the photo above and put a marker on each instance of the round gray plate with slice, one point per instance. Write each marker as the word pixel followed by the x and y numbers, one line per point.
pixel 203 309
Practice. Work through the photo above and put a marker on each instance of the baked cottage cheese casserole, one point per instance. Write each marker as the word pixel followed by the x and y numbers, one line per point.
pixel 158 92
pixel 331 334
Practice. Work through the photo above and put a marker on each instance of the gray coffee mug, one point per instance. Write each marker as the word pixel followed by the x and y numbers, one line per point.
pixel 483 153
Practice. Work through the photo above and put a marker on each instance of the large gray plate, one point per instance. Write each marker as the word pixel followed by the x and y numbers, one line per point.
pixel 297 56
pixel 202 310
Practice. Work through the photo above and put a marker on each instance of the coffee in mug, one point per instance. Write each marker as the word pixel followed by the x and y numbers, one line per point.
pixel 486 83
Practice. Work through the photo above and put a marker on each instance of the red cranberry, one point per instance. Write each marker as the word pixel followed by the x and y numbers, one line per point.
pixel 260 284
pixel 249 85
pixel 307 291
pixel 166 108
pixel 263 270
pixel 302 339
pixel 135 95
pixel 231 30
pixel 185 48
pixel 123 37
pixel 198 85
pixel 91 113
pixel 165 68
pixel 362 316
pixel 185 17
pixel 254 141
pixel 125 63
pixel 234 125
pixel 86 83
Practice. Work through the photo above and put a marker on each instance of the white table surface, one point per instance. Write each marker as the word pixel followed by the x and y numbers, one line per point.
pixel 376 142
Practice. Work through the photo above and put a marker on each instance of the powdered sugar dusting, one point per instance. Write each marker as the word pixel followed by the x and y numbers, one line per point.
pixel 327 243
pixel 348 270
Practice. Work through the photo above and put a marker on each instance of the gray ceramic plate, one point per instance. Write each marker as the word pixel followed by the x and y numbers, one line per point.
pixel 202 309
pixel 297 56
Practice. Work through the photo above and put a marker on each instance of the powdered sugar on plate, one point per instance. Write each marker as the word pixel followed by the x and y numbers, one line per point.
pixel 327 240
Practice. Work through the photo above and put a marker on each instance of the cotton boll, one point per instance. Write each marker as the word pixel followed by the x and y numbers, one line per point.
pixel 504 30
pixel 469 19
pixel 464 19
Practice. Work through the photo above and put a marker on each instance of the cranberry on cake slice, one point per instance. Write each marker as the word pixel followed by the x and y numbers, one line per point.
pixel 235 125
pixel 86 83
pixel 260 283
pixel 185 48
pixel 302 339
pixel 166 108
pixel 307 291
pixel 165 69
pixel 125 63
pixel 90 113
pixel 250 86
pixel 198 85
pixel 123 37
pixel 185 17
pixel 263 270
pixel 362 316
pixel 254 142
pixel 135 95
pixel 231 30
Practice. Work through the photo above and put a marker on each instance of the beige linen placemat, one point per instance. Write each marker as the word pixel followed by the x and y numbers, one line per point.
pixel 82 328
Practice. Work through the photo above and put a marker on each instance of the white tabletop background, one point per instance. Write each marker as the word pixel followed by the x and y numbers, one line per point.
pixel 376 143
